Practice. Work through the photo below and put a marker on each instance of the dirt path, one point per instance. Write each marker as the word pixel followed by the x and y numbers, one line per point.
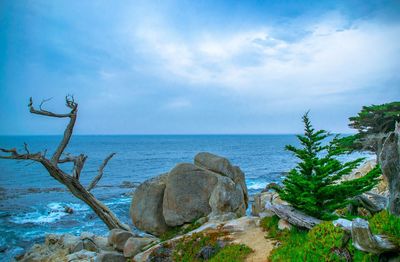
pixel 254 238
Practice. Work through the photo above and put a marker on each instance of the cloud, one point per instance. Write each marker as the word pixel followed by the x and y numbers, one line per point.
pixel 335 56
pixel 178 103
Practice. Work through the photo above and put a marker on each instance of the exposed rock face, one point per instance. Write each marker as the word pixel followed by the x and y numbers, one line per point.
pixel 187 194
pixel 209 187
pixel 390 163
pixel 261 199
pixel 118 237
pixel 147 204
pixel 134 244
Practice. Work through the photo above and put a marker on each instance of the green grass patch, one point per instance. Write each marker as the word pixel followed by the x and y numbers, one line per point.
pixel 385 223
pixel 232 253
pixel 188 248
pixel 179 230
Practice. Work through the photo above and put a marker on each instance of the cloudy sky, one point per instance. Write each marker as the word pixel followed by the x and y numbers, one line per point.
pixel 196 67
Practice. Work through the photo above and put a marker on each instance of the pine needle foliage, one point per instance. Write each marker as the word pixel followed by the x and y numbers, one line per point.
pixel 314 185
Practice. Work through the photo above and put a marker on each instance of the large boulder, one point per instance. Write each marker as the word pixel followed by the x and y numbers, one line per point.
pixel 187 193
pixel 211 186
pixel 147 204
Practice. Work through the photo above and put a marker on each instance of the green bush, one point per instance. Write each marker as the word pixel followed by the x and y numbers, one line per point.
pixel 322 240
pixel 314 185
pixel 232 253
pixel 188 248
pixel 385 223
pixel 317 245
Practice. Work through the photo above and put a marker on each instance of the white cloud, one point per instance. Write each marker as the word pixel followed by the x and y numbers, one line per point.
pixel 333 58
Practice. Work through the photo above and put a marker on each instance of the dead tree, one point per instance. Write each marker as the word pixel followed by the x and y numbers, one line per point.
pixel 71 181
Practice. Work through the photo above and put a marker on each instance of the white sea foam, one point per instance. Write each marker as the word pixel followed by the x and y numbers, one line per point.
pixel 256 185
pixel 53 212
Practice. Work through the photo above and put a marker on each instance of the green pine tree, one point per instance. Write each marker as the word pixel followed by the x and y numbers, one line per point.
pixel 314 186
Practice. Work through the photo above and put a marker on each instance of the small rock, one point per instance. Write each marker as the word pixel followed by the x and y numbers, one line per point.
pixel 69 241
pixel 52 239
pixel 134 245
pixel 110 257
pixel 78 247
pixel 283 224
pixel 3 249
pixel 206 252
pixel 68 210
pixel 82 255
pixel 118 237
pixel 161 254
pixel 87 235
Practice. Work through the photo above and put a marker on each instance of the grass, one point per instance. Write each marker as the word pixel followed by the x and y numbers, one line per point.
pixel 385 223
pixel 188 248
pixel 232 253
pixel 180 230
pixel 317 244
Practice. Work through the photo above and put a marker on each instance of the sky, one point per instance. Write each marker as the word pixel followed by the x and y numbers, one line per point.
pixel 196 67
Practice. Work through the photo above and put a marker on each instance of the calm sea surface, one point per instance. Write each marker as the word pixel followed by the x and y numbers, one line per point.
pixel 32 203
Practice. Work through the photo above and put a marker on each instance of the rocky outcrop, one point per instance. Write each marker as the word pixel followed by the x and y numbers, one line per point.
pixel 147 205
pixel 390 163
pixel 211 186
pixel 260 201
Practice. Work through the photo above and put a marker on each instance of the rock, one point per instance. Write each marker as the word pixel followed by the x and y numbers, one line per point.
pixel 187 193
pixel 261 199
pixel 206 252
pixel 86 244
pixel 147 205
pixel 86 235
pixel 82 255
pixel 211 187
pixel 343 223
pixel 241 224
pixel 110 257
pixel 161 254
pixel 134 245
pixel 118 237
pixel 223 167
pixel 52 239
pixel 221 218
pixel 283 224
pixel 69 241
pixel 102 243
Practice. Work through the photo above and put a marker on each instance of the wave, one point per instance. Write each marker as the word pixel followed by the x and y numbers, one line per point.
pixel 53 212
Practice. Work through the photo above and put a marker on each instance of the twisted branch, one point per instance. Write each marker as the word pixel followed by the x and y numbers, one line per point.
pixel 100 172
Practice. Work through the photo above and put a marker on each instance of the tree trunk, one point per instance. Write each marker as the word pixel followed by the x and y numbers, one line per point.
pixel 76 188
pixel 390 163
pixel 293 216
pixel 364 240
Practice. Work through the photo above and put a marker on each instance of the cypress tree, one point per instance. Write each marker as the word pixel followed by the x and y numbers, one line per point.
pixel 314 185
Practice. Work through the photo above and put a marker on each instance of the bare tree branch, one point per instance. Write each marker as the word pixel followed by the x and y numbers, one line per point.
pixel 70 181
pixel 78 165
pixel 15 155
pixel 100 173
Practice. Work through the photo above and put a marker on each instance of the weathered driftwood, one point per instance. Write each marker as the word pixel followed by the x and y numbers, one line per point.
pixel 71 181
pixel 293 216
pixel 374 203
pixel 364 240
pixel 390 163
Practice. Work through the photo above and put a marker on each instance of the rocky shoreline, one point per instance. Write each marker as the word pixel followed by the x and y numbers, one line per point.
pixel 211 193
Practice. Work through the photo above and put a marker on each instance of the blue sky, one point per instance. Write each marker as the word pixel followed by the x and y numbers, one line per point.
pixel 196 67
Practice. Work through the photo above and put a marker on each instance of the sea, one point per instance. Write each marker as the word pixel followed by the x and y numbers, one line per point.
pixel 32 204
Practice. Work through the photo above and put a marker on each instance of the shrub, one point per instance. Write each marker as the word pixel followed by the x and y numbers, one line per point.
pixel 188 248
pixel 313 186
pixel 385 223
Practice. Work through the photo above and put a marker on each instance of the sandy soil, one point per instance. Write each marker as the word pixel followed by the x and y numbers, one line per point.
pixel 254 238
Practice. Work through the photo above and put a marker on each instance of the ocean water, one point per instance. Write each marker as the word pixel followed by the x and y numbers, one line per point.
pixel 32 203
